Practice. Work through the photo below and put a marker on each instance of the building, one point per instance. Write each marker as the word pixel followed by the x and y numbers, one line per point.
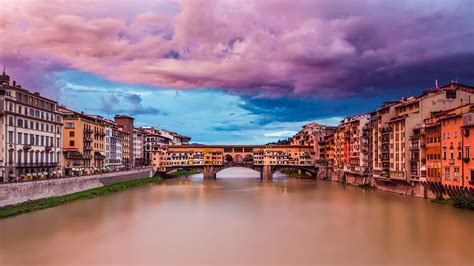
pixel 433 149
pixel 138 147
pixel 83 143
pixel 356 145
pixel 396 126
pixel 154 137
pixel 126 122
pixel 310 135
pixel 31 134
pixel 457 166
pixel 126 156
pixel 114 137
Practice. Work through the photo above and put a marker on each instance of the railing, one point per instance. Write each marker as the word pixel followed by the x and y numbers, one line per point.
pixel 26 146
pixel 88 131
pixel 37 164
pixel 87 139
pixel 88 148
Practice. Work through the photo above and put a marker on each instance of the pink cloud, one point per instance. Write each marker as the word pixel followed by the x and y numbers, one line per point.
pixel 261 48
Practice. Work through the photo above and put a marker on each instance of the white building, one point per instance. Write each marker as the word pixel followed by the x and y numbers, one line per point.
pixel 113 145
pixel 138 146
pixel 31 143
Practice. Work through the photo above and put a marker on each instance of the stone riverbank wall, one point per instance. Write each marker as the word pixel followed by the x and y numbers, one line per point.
pixel 15 193
pixel 402 187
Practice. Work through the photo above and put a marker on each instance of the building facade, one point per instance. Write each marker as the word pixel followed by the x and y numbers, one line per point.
pixel 83 142
pixel 126 122
pixel 31 125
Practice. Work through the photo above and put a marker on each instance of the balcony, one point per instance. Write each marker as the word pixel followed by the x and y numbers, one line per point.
pixel 87 139
pixel 37 164
pixel 88 131
pixel 72 155
pixel 88 148
pixel 26 146
pixel 48 148
pixel 87 156
pixel 99 133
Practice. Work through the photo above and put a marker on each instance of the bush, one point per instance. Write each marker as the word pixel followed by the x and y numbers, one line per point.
pixel 464 202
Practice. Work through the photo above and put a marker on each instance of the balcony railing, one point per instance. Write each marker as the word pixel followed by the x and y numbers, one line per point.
pixel 37 164
pixel 87 139
pixel 88 148
pixel 26 146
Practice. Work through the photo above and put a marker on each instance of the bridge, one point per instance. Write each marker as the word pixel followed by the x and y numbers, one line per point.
pixel 210 159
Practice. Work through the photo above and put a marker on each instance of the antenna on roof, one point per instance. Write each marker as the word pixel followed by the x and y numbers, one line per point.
pixel 4 70
pixel 436 84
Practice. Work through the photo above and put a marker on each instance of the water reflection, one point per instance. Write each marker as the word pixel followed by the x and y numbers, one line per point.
pixel 246 221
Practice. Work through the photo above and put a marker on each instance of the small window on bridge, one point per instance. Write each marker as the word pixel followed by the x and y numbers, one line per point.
pixel 227 149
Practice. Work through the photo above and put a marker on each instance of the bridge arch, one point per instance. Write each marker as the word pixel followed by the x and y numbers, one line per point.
pixel 242 172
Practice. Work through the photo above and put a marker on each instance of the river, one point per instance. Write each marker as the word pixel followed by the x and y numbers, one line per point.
pixel 241 221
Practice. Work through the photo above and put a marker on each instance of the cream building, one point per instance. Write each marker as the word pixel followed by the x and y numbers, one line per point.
pixel 31 143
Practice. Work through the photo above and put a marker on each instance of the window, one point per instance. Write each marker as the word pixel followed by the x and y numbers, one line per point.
pixel 69 125
pixel 71 143
pixel 472 175
pixel 19 137
pixel 71 133
pixel 446 173
pixel 456 172
pixel 26 138
pixel 10 121
pixel 32 139
pixel 42 140
pixel 10 136
pixel 468 153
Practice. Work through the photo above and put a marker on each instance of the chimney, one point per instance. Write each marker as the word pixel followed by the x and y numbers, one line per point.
pixel 14 83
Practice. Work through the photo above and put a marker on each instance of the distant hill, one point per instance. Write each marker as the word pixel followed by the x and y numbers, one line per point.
pixel 281 142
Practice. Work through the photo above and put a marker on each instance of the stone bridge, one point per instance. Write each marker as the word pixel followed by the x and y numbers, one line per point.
pixel 210 159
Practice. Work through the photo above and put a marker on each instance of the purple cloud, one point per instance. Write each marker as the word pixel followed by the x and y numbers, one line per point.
pixel 327 49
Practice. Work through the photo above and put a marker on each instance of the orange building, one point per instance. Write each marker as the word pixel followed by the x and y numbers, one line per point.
pixel 433 149
pixel 457 166
pixel 83 142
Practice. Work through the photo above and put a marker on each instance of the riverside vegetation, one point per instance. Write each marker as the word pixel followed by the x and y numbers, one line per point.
pixel 82 195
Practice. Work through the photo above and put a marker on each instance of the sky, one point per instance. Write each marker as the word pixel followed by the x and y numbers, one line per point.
pixel 231 72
